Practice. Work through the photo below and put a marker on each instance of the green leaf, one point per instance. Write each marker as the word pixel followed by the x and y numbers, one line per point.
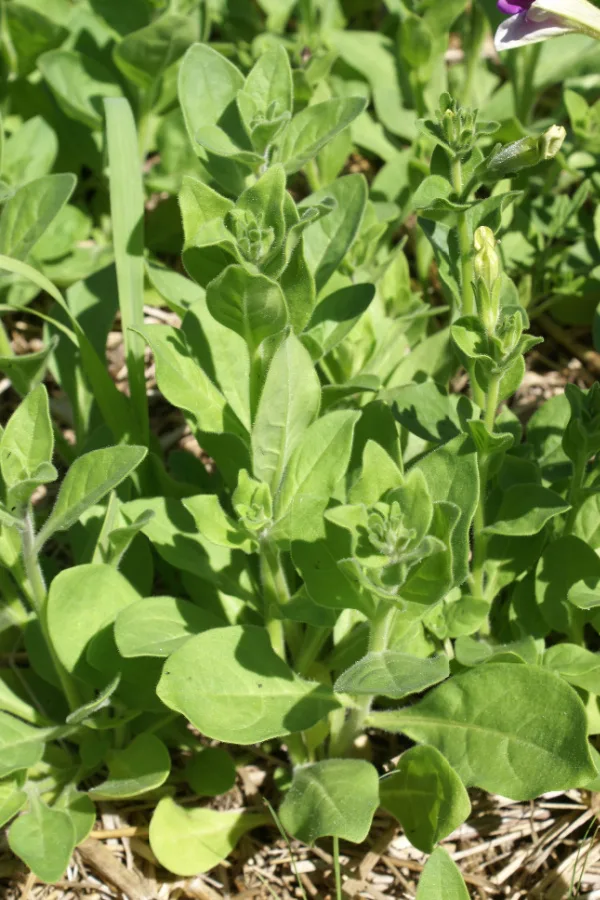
pixel 336 797
pixel 492 724
pixel 232 687
pixel 208 85
pixel 270 81
pixel 28 440
pixel 183 383
pixel 143 56
pixel 30 210
pixel 80 810
pixel 335 317
pixel 315 468
pixel 29 34
pixel 89 479
pixel 210 772
pixel 251 305
pixel 100 702
pixel 426 796
pixel 29 152
pixel 140 767
pixel 289 404
pixel 12 799
pixel 327 583
pixel 44 838
pixel 327 240
pixel 214 523
pixel 441 878
pixel 81 602
pixel 127 215
pixel 567 574
pixel 79 83
pixel 576 665
pixel 525 509
pixel 392 674
pixel 452 474
pixel 21 745
pixel 188 841
pixel 157 626
pixel 312 128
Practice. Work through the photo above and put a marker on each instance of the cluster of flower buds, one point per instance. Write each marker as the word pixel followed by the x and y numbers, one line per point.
pixel 457 127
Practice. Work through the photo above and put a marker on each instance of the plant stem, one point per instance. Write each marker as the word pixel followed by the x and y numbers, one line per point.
pixel 465 244
pixel 38 594
pixel 314 638
pixel 275 594
pixel 479 538
pixel 577 479
pixel 336 867
pixel 378 640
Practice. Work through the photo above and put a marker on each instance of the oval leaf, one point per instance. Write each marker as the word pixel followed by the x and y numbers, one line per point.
pixel 232 686
pixel 392 674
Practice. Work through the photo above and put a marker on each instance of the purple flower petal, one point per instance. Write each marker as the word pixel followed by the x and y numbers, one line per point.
pixel 513 7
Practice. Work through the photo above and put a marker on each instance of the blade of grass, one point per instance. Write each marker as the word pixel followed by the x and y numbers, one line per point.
pixel 127 209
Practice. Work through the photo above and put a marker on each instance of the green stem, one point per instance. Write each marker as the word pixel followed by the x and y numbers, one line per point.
pixel 38 594
pixel 577 480
pixel 314 638
pixel 336 868
pixel 525 94
pixel 379 636
pixel 5 344
pixel 465 244
pixel 275 594
pixel 479 538
pixel 313 176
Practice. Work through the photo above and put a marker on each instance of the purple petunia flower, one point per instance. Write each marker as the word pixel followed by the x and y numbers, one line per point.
pixel 536 20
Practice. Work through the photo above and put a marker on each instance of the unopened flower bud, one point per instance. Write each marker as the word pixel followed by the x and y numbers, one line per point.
pixel 487 270
pixel 551 141
pixel 523 154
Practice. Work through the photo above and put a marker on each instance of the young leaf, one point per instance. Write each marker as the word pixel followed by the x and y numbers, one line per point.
pixel 392 674
pixel 315 468
pixel 81 602
pixel 44 838
pixel 89 479
pixel 28 440
pixel 30 211
pixel 232 686
pixel 426 796
pixel 188 841
pixel 251 305
pixel 157 626
pixel 441 878
pixel 312 128
pixel 140 767
pixel 289 404
pixel 100 702
pixel 525 509
pixel 335 797
pixel 335 317
pixel 210 772
pixel 509 748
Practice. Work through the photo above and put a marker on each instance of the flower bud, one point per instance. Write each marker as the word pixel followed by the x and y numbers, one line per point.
pixel 522 154
pixel 487 270
pixel 551 141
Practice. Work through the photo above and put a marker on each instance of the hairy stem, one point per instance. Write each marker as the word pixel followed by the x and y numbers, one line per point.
pixel 479 538
pixel 465 244
pixel 379 637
